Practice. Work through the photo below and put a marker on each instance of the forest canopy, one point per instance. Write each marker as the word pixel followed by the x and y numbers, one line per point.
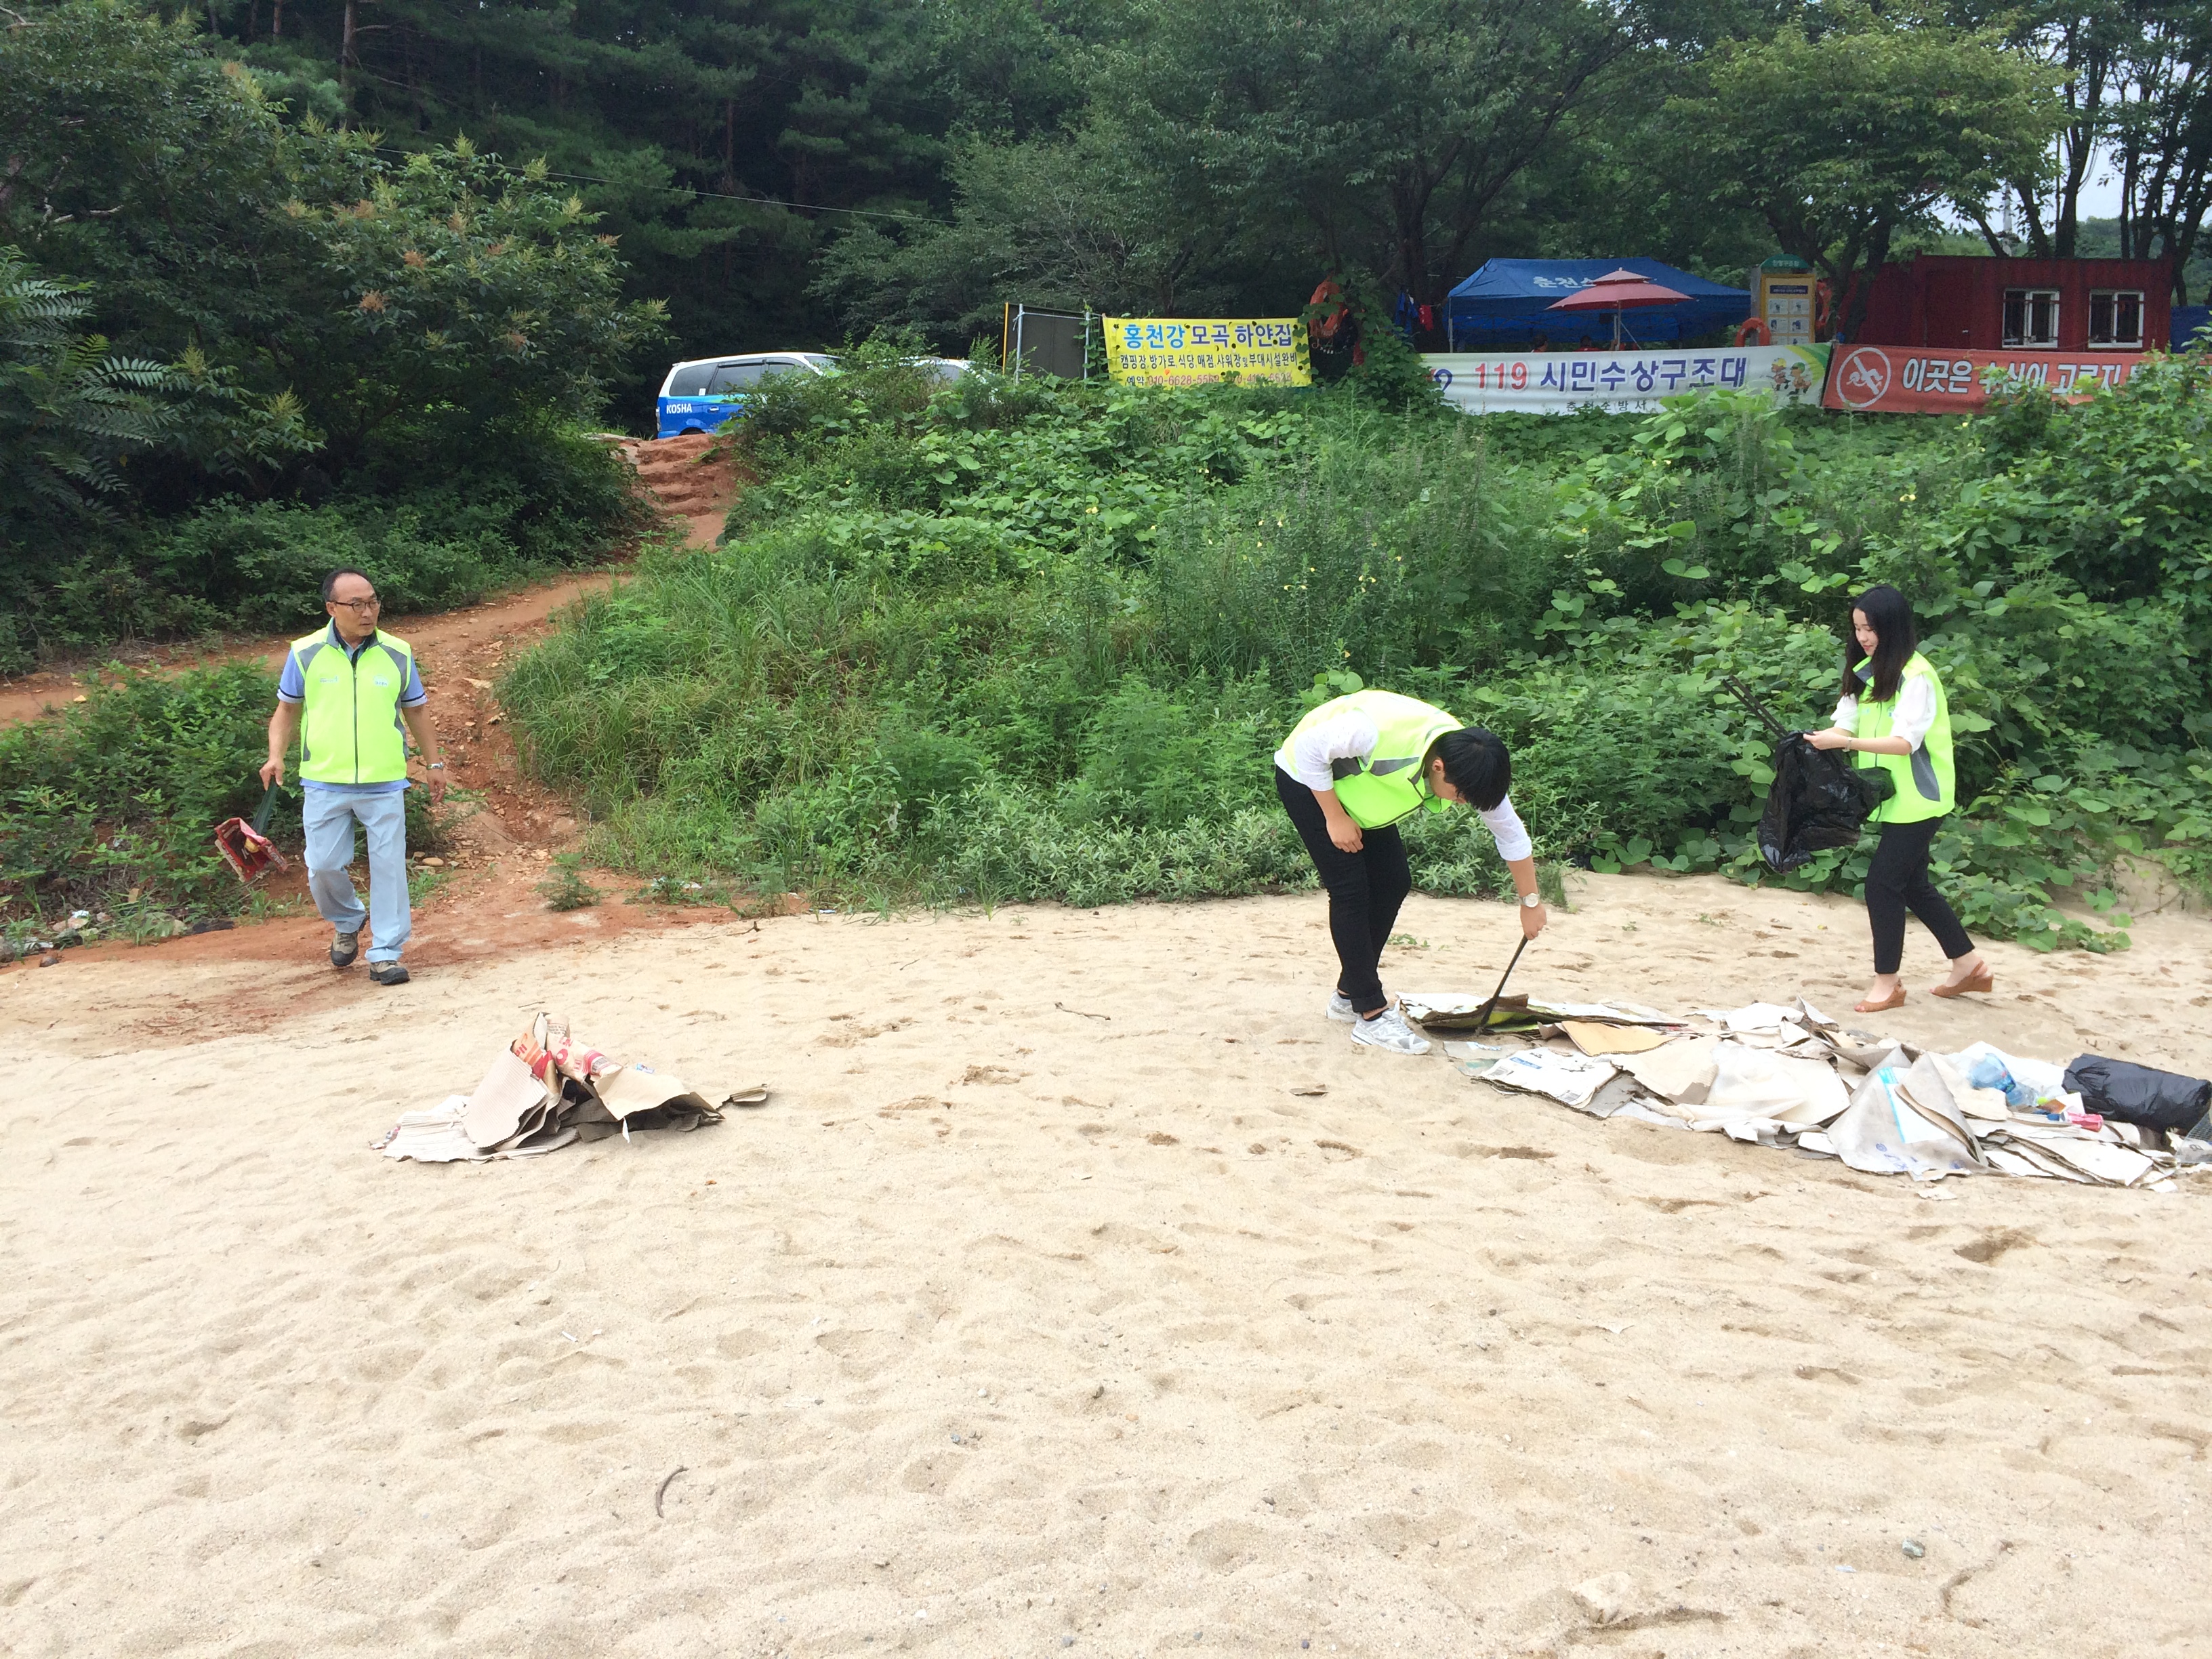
pixel 778 173
pixel 283 279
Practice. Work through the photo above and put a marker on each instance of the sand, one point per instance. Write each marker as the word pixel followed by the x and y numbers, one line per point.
pixel 1080 1289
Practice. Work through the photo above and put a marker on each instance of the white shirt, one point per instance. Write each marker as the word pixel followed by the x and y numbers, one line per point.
pixel 1914 714
pixel 1307 756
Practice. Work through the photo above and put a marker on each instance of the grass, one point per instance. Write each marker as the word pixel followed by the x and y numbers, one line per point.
pixel 1039 643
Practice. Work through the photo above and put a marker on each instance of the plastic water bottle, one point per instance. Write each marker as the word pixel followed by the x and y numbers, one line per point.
pixel 1988 1072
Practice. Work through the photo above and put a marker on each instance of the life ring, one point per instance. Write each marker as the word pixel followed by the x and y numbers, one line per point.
pixel 1749 326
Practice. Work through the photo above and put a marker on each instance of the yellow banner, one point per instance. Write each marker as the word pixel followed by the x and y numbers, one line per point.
pixel 1190 351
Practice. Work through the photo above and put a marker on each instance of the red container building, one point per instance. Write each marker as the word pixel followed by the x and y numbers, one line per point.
pixel 1967 302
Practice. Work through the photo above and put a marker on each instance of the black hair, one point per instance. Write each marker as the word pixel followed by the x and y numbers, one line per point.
pixel 1896 637
pixel 330 582
pixel 1475 764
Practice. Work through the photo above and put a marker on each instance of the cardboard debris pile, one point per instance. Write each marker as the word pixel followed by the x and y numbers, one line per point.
pixel 546 1089
pixel 1790 1077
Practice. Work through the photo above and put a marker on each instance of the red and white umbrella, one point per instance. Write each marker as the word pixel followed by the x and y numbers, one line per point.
pixel 1618 291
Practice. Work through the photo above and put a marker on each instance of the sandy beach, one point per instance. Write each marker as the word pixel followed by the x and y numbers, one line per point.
pixel 1079 1289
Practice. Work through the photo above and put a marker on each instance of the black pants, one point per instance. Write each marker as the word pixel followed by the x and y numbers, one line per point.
pixel 1898 881
pixel 1365 892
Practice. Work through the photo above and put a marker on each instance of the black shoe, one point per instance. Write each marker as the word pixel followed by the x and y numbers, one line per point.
pixel 344 948
pixel 388 973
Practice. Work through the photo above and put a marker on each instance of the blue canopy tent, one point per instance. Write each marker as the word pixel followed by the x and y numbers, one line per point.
pixel 1503 305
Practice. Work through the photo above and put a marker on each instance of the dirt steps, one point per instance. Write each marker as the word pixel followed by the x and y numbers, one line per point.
pixel 686 479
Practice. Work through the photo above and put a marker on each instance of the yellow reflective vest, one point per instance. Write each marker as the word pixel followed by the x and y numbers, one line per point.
pixel 1390 783
pixel 350 728
pixel 1927 783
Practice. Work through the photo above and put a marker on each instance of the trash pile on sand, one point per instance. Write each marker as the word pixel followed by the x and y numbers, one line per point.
pixel 1790 1077
pixel 546 1089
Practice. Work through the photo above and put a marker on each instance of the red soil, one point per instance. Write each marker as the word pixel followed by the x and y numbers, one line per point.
pixel 498 853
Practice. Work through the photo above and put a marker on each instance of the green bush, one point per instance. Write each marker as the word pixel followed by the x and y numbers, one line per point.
pixel 549 499
pixel 962 649
pixel 115 803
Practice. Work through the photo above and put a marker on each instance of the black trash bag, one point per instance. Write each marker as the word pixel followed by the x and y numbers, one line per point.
pixel 1818 800
pixel 2137 1094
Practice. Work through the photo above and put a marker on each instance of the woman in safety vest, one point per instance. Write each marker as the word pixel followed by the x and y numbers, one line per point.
pixel 1347 773
pixel 1894 708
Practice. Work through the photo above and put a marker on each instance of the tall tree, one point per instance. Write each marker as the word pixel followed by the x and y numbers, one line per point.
pixel 1839 140
pixel 2088 49
pixel 724 141
pixel 401 307
pixel 1068 221
pixel 1380 132
pixel 2163 135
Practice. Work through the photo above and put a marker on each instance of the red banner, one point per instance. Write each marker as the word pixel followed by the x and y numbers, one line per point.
pixel 1915 379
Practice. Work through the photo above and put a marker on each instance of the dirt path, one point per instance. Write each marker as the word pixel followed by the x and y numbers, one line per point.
pixel 503 829
pixel 673 473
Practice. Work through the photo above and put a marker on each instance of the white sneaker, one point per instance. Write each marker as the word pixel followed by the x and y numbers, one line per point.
pixel 1341 1008
pixel 1389 1030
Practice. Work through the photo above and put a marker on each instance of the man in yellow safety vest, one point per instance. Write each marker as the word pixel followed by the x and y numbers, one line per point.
pixel 352 696
pixel 1346 775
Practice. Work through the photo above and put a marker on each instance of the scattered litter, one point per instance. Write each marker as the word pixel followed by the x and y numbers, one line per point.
pixel 1571 1079
pixel 1617 1095
pixel 246 848
pixel 2139 1094
pixel 1762 1086
pixel 663 1493
pixel 1761 1017
pixel 1592 1038
pixel 1475 1059
pixel 546 1091
pixel 1642 1112
pixel 1682 1073
pixel 1442 1010
pixel 1790 1078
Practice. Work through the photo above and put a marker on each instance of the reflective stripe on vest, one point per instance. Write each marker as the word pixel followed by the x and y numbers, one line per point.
pixel 1388 784
pixel 349 729
pixel 1927 784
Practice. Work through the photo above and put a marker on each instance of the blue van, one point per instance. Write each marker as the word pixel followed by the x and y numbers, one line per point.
pixel 700 395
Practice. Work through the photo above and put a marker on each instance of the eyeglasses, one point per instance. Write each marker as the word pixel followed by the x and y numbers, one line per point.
pixel 370 603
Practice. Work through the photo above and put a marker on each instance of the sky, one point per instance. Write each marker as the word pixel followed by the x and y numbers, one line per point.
pixel 2100 191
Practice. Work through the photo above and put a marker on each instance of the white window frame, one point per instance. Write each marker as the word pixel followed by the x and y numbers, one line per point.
pixel 2112 296
pixel 2027 297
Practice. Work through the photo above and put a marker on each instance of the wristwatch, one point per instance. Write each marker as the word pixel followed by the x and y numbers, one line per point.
pixel 1531 901
pixel 437 766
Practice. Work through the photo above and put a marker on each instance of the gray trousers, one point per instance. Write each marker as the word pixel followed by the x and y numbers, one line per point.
pixel 329 817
